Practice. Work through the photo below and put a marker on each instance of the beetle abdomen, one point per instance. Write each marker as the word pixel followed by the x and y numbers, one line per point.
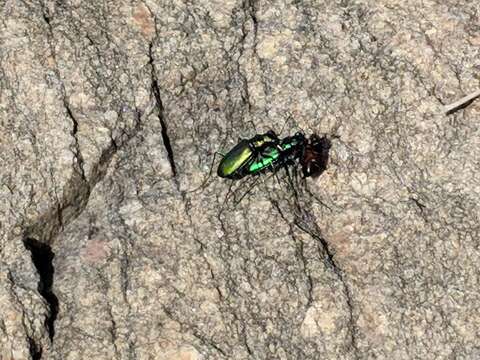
pixel 315 156
pixel 234 160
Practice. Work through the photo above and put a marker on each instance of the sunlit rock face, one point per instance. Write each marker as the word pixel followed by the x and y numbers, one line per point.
pixel 118 241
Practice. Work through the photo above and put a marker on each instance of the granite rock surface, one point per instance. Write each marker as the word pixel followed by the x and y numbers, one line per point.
pixel 117 240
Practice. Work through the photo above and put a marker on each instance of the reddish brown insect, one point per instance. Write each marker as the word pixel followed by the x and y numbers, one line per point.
pixel 315 156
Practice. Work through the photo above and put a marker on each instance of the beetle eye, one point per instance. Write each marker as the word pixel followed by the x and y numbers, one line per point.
pixel 272 134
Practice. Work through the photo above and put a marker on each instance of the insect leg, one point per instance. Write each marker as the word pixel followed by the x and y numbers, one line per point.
pixel 285 123
pixel 228 192
pixel 250 188
pixel 204 182
pixel 291 183
pixel 276 177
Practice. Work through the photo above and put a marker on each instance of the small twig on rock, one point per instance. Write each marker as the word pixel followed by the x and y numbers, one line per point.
pixel 460 104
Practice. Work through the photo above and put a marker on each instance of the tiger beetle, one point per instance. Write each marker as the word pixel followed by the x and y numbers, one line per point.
pixel 267 151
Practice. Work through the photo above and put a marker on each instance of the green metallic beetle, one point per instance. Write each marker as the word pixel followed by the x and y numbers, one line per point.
pixel 262 152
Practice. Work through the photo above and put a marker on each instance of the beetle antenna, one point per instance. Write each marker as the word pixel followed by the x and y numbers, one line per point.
pixel 285 123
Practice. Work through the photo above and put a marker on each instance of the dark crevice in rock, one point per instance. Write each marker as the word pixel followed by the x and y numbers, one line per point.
pixel 156 93
pixel 42 258
pixel 243 333
pixel 304 221
pixel 242 45
pixel 249 11
pixel 59 215
pixel 212 276
pixel 204 340
pixel 113 332
pixel 308 276
pixel 71 200
pixel 300 253
pixel 46 15
pixel 418 204
pixel 34 349
pixel 113 328
pixel 422 209
pixel 315 234
pixel 77 191
pixel 210 343
pixel 330 257
pixel 245 343
pixel 39 235
pixel 124 271
pixel 125 256
pixel 249 6
pixel 77 151
pixel 352 322
pixel 168 145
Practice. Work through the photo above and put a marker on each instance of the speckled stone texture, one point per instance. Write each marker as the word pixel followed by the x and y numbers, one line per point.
pixel 115 241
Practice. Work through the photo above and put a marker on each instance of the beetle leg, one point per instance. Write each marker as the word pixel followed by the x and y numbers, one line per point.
pixel 204 182
pixel 285 123
pixel 298 178
pixel 228 192
pixel 276 177
pixel 250 188
pixel 231 193
pixel 291 183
